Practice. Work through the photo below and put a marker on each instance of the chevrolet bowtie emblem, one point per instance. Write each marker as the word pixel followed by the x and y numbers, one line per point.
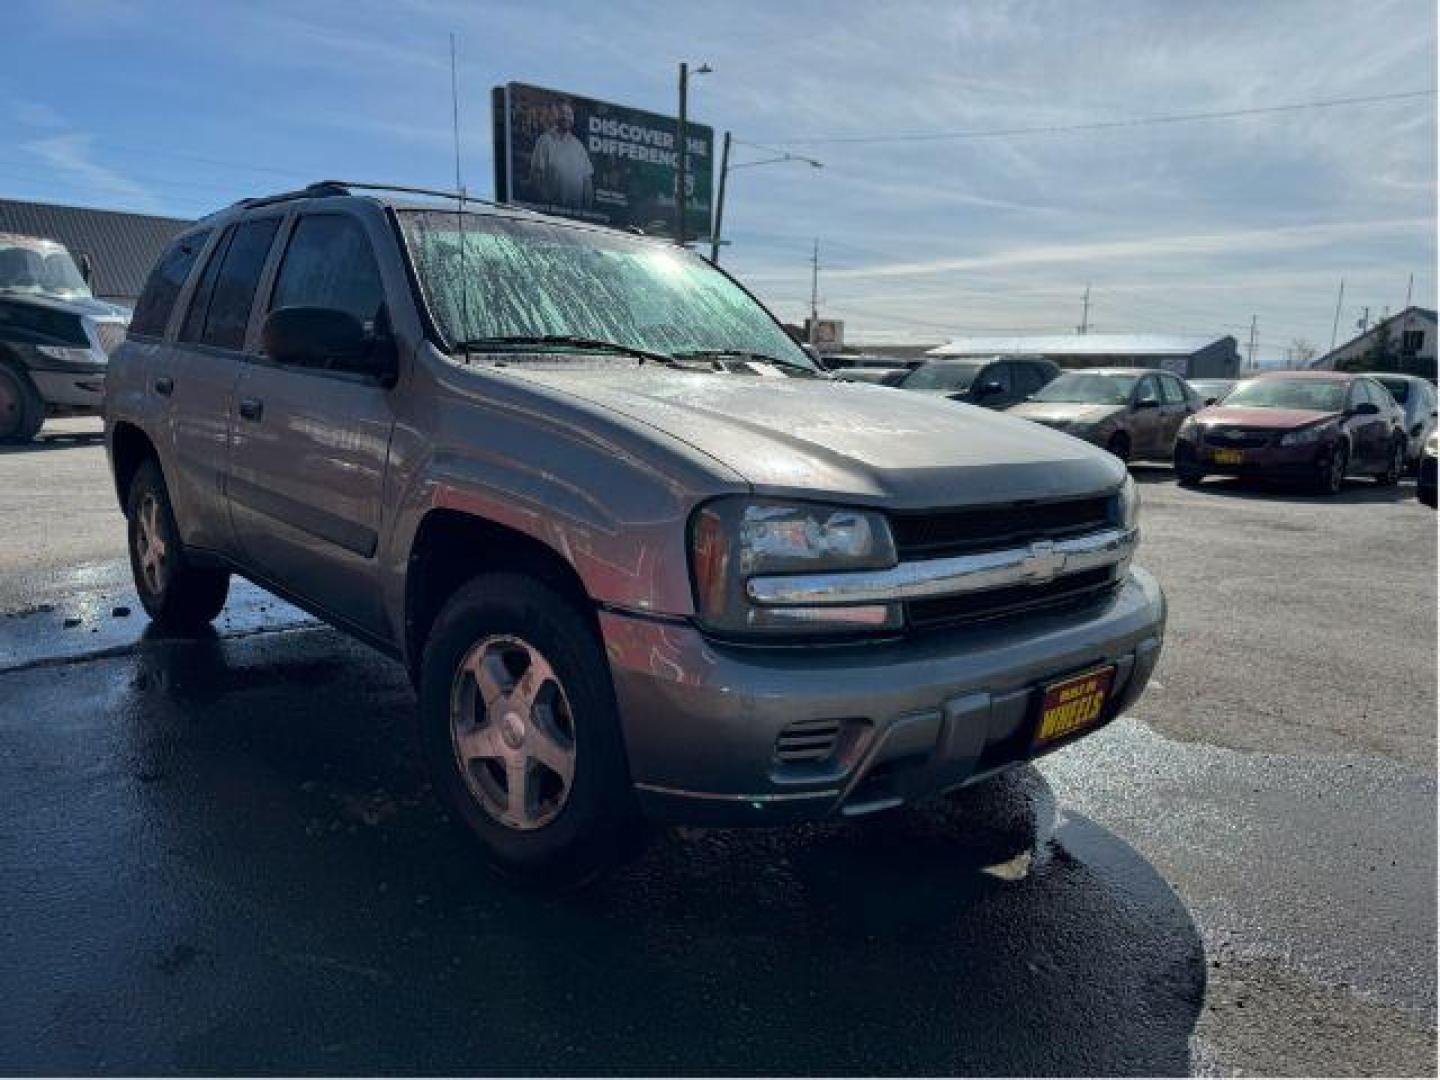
pixel 1042 562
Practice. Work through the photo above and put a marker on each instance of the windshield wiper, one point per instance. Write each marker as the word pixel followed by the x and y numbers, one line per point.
pixel 521 341
pixel 743 354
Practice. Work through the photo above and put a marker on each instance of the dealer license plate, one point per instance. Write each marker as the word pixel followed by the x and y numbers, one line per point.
pixel 1073 705
pixel 1229 457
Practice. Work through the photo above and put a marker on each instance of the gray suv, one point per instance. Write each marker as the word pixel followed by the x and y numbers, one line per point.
pixel 640 556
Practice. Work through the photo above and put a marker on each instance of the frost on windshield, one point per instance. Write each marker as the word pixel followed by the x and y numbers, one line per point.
pixel 492 277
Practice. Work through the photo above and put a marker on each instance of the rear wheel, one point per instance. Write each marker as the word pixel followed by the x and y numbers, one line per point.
pixel 1395 467
pixel 1119 445
pixel 22 410
pixel 176 594
pixel 521 733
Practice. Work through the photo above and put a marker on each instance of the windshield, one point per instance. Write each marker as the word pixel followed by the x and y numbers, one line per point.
pixel 39 266
pixel 941 377
pixel 1318 394
pixel 504 278
pixel 1088 389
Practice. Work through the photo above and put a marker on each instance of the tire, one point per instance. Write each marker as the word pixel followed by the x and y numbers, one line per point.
pixel 1332 477
pixel 1189 477
pixel 1395 468
pixel 1119 445
pixel 177 595
pixel 22 410
pixel 501 769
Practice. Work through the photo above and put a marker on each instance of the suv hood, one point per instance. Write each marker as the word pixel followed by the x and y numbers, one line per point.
pixel 816 437
pixel 1064 412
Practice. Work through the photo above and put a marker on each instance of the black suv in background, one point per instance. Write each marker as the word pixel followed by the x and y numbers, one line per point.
pixel 996 383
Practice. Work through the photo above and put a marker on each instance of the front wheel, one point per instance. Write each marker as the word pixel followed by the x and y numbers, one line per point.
pixel 176 594
pixel 1395 467
pixel 22 410
pixel 1332 473
pixel 1119 445
pixel 521 733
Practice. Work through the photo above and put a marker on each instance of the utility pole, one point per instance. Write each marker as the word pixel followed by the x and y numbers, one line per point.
pixel 1085 312
pixel 1251 363
pixel 680 156
pixel 1364 323
pixel 720 202
pixel 814 292
pixel 1335 329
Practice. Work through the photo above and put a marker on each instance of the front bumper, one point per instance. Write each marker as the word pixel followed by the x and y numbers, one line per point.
pixel 702 721
pixel 1298 463
pixel 71 390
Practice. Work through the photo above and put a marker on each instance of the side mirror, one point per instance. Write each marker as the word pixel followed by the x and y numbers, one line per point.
pixel 1211 400
pixel 1365 408
pixel 87 267
pixel 1147 403
pixel 324 338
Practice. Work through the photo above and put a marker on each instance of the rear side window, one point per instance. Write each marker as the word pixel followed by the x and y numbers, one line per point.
pixel 1147 389
pixel 1173 393
pixel 235 284
pixel 152 311
pixel 329 264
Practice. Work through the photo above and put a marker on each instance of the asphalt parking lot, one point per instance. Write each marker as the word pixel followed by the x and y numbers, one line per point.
pixel 220 856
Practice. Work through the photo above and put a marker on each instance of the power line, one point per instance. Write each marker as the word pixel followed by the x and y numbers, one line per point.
pixel 1104 125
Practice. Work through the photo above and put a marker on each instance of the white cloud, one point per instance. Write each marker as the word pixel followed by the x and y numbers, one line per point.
pixel 71 154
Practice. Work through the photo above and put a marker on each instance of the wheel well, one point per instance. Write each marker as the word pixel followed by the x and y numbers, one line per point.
pixel 129 449
pixel 451 547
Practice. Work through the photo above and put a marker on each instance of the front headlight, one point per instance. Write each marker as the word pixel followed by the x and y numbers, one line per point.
pixel 1305 436
pixel 735 539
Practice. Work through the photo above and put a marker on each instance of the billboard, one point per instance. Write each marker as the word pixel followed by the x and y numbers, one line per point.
pixel 596 161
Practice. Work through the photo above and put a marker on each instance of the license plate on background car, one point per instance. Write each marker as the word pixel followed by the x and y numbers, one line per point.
pixel 1073 705
pixel 1229 457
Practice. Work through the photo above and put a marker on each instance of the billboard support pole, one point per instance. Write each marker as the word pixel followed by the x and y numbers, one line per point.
pixel 680 156
pixel 720 202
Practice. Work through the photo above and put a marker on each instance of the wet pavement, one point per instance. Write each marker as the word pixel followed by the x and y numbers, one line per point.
pixel 221 856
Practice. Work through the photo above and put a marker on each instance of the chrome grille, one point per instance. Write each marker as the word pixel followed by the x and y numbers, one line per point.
pixel 981 528
pixel 807 741
pixel 110 335
pixel 1242 438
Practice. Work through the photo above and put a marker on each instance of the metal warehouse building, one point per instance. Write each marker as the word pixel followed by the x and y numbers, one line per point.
pixel 1191 357
pixel 122 247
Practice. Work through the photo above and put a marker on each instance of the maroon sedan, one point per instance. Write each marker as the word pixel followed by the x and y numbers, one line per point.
pixel 1314 427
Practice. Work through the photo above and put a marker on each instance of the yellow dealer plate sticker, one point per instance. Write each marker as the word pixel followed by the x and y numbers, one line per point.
pixel 1072 706
pixel 1229 457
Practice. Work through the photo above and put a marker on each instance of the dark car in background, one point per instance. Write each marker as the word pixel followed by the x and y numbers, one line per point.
pixel 867 367
pixel 1311 427
pixel 1132 412
pixel 1212 390
pixel 996 383
pixel 55 337
pixel 1425 475
pixel 1416 396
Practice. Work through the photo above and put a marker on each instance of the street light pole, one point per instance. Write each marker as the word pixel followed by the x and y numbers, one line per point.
pixel 680 156
pixel 720 202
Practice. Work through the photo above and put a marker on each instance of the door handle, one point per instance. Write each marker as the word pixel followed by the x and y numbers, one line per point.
pixel 251 408
pixel 164 386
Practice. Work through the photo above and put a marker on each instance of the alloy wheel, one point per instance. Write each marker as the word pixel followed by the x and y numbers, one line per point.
pixel 1338 461
pixel 151 545
pixel 513 732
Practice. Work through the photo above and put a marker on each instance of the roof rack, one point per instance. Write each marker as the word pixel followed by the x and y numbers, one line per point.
pixel 310 191
pixel 404 189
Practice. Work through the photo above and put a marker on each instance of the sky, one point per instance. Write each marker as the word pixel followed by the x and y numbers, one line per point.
pixel 1183 227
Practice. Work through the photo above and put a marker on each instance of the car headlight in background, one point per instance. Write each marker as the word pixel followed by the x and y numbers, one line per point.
pixel 1189 430
pixel 1432 444
pixel 1307 435
pixel 734 539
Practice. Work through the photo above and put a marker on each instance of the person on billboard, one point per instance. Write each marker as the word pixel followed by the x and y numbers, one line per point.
pixel 560 167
